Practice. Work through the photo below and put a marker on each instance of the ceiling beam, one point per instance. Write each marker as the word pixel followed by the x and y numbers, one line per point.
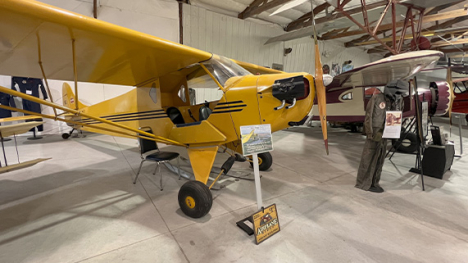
pixel 260 6
pixel 428 32
pixel 426 19
pixel 430 11
pixel 433 28
pixel 304 21
pixel 453 50
pixel 306 17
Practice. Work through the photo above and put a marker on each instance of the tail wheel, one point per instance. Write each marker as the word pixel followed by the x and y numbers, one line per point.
pixel 65 136
pixel 195 199
pixel 265 160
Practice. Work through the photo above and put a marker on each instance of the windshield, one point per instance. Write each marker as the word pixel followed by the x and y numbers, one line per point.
pixel 223 69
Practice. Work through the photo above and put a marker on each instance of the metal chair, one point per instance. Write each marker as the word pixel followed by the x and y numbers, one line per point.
pixel 150 152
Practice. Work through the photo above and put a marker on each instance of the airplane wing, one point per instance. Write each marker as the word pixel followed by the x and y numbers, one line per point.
pixel 105 53
pixel 19 128
pixel 255 69
pixel 383 71
pixel 20 118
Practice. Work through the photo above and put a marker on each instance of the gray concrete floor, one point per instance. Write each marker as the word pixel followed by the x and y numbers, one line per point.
pixel 81 206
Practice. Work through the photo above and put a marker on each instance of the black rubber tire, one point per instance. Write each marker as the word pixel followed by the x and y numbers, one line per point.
pixel 265 164
pixel 404 147
pixel 65 136
pixel 200 193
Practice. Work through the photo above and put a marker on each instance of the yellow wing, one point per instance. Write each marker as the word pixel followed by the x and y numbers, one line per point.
pixel 19 128
pixel 105 53
pixel 255 69
pixel 20 118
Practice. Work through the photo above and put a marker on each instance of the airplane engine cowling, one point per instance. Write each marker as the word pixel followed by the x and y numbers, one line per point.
pixel 291 88
pixel 440 101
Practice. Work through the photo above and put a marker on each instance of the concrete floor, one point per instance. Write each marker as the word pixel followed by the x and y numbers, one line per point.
pixel 81 206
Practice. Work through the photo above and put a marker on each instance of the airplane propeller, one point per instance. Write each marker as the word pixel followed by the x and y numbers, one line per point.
pixel 319 86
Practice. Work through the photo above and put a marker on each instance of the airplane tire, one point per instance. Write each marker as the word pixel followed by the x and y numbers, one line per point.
pixel 65 136
pixel 408 145
pixel 265 160
pixel 195 199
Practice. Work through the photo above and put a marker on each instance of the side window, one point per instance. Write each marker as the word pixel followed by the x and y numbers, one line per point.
pixel 347 96
pixel 203 88
pixel 181 93
pixel 153 93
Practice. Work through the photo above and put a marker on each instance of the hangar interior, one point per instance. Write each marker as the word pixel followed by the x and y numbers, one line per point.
pixel 81 205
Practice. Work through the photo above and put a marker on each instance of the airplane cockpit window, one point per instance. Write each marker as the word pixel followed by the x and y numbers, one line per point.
pixel 181 93
pixel 460 87
pixel 223 69
pixel 153 93
pixel 202 88
pixel 347 96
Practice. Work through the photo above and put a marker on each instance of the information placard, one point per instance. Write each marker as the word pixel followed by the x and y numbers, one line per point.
pixel 256 139
pixel 266 223
pixel 392 124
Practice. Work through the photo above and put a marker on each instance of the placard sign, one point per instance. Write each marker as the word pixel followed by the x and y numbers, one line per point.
pixel 266 223
pixel 256 139
pixel 392 124
pixel 424 117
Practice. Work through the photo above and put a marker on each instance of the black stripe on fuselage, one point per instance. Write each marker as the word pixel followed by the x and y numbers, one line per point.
pixel 123 120
pixel 230 107
pixel 228 111
pixel 229 102
pixel 134 113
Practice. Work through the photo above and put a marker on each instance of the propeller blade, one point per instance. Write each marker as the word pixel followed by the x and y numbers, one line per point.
pixel 288 6
pixel 452 95
pixel 321 96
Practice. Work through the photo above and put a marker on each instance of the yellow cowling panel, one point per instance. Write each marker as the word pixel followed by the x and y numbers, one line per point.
pixel 197 134
pixel 279 119
pixel 202 160
pixel 105 53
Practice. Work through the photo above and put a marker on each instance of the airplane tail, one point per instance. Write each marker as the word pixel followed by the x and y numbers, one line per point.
pixel 69 100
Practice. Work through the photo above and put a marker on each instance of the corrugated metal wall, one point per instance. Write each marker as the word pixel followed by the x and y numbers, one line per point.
pixel 231 37
pixel 332 52
pixel 243 40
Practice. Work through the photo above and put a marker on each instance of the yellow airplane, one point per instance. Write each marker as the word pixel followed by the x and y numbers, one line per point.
pixel 43 41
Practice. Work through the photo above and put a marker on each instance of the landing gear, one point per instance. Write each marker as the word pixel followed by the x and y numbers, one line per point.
pixel 67 135
pixel 195 199
pixel 265 160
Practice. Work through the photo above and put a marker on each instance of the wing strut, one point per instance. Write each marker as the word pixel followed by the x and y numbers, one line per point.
pixel 43 72
pixel 75 74
pixel 77 113
pixel 319 86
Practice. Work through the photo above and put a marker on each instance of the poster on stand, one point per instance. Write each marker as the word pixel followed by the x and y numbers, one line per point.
pixel 392 125
pixel 256 139
pixel 425 116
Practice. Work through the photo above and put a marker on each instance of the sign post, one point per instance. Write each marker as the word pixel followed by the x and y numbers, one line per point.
pixel 256 139
pixel 258 183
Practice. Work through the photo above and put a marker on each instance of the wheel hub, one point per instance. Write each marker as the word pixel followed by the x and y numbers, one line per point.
pixel 190 202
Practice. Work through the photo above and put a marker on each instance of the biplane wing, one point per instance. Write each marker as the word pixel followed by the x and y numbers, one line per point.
pixel 383 71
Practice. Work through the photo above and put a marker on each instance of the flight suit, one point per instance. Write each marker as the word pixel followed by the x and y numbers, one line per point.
pixel 7 100
pixel 375 147
pixel 30 86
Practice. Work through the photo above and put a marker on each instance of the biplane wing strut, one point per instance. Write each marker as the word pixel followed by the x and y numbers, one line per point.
pixel 147 135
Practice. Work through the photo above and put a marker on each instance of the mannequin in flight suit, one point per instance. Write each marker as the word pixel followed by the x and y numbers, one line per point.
pixel 375 147
pixel 30 86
